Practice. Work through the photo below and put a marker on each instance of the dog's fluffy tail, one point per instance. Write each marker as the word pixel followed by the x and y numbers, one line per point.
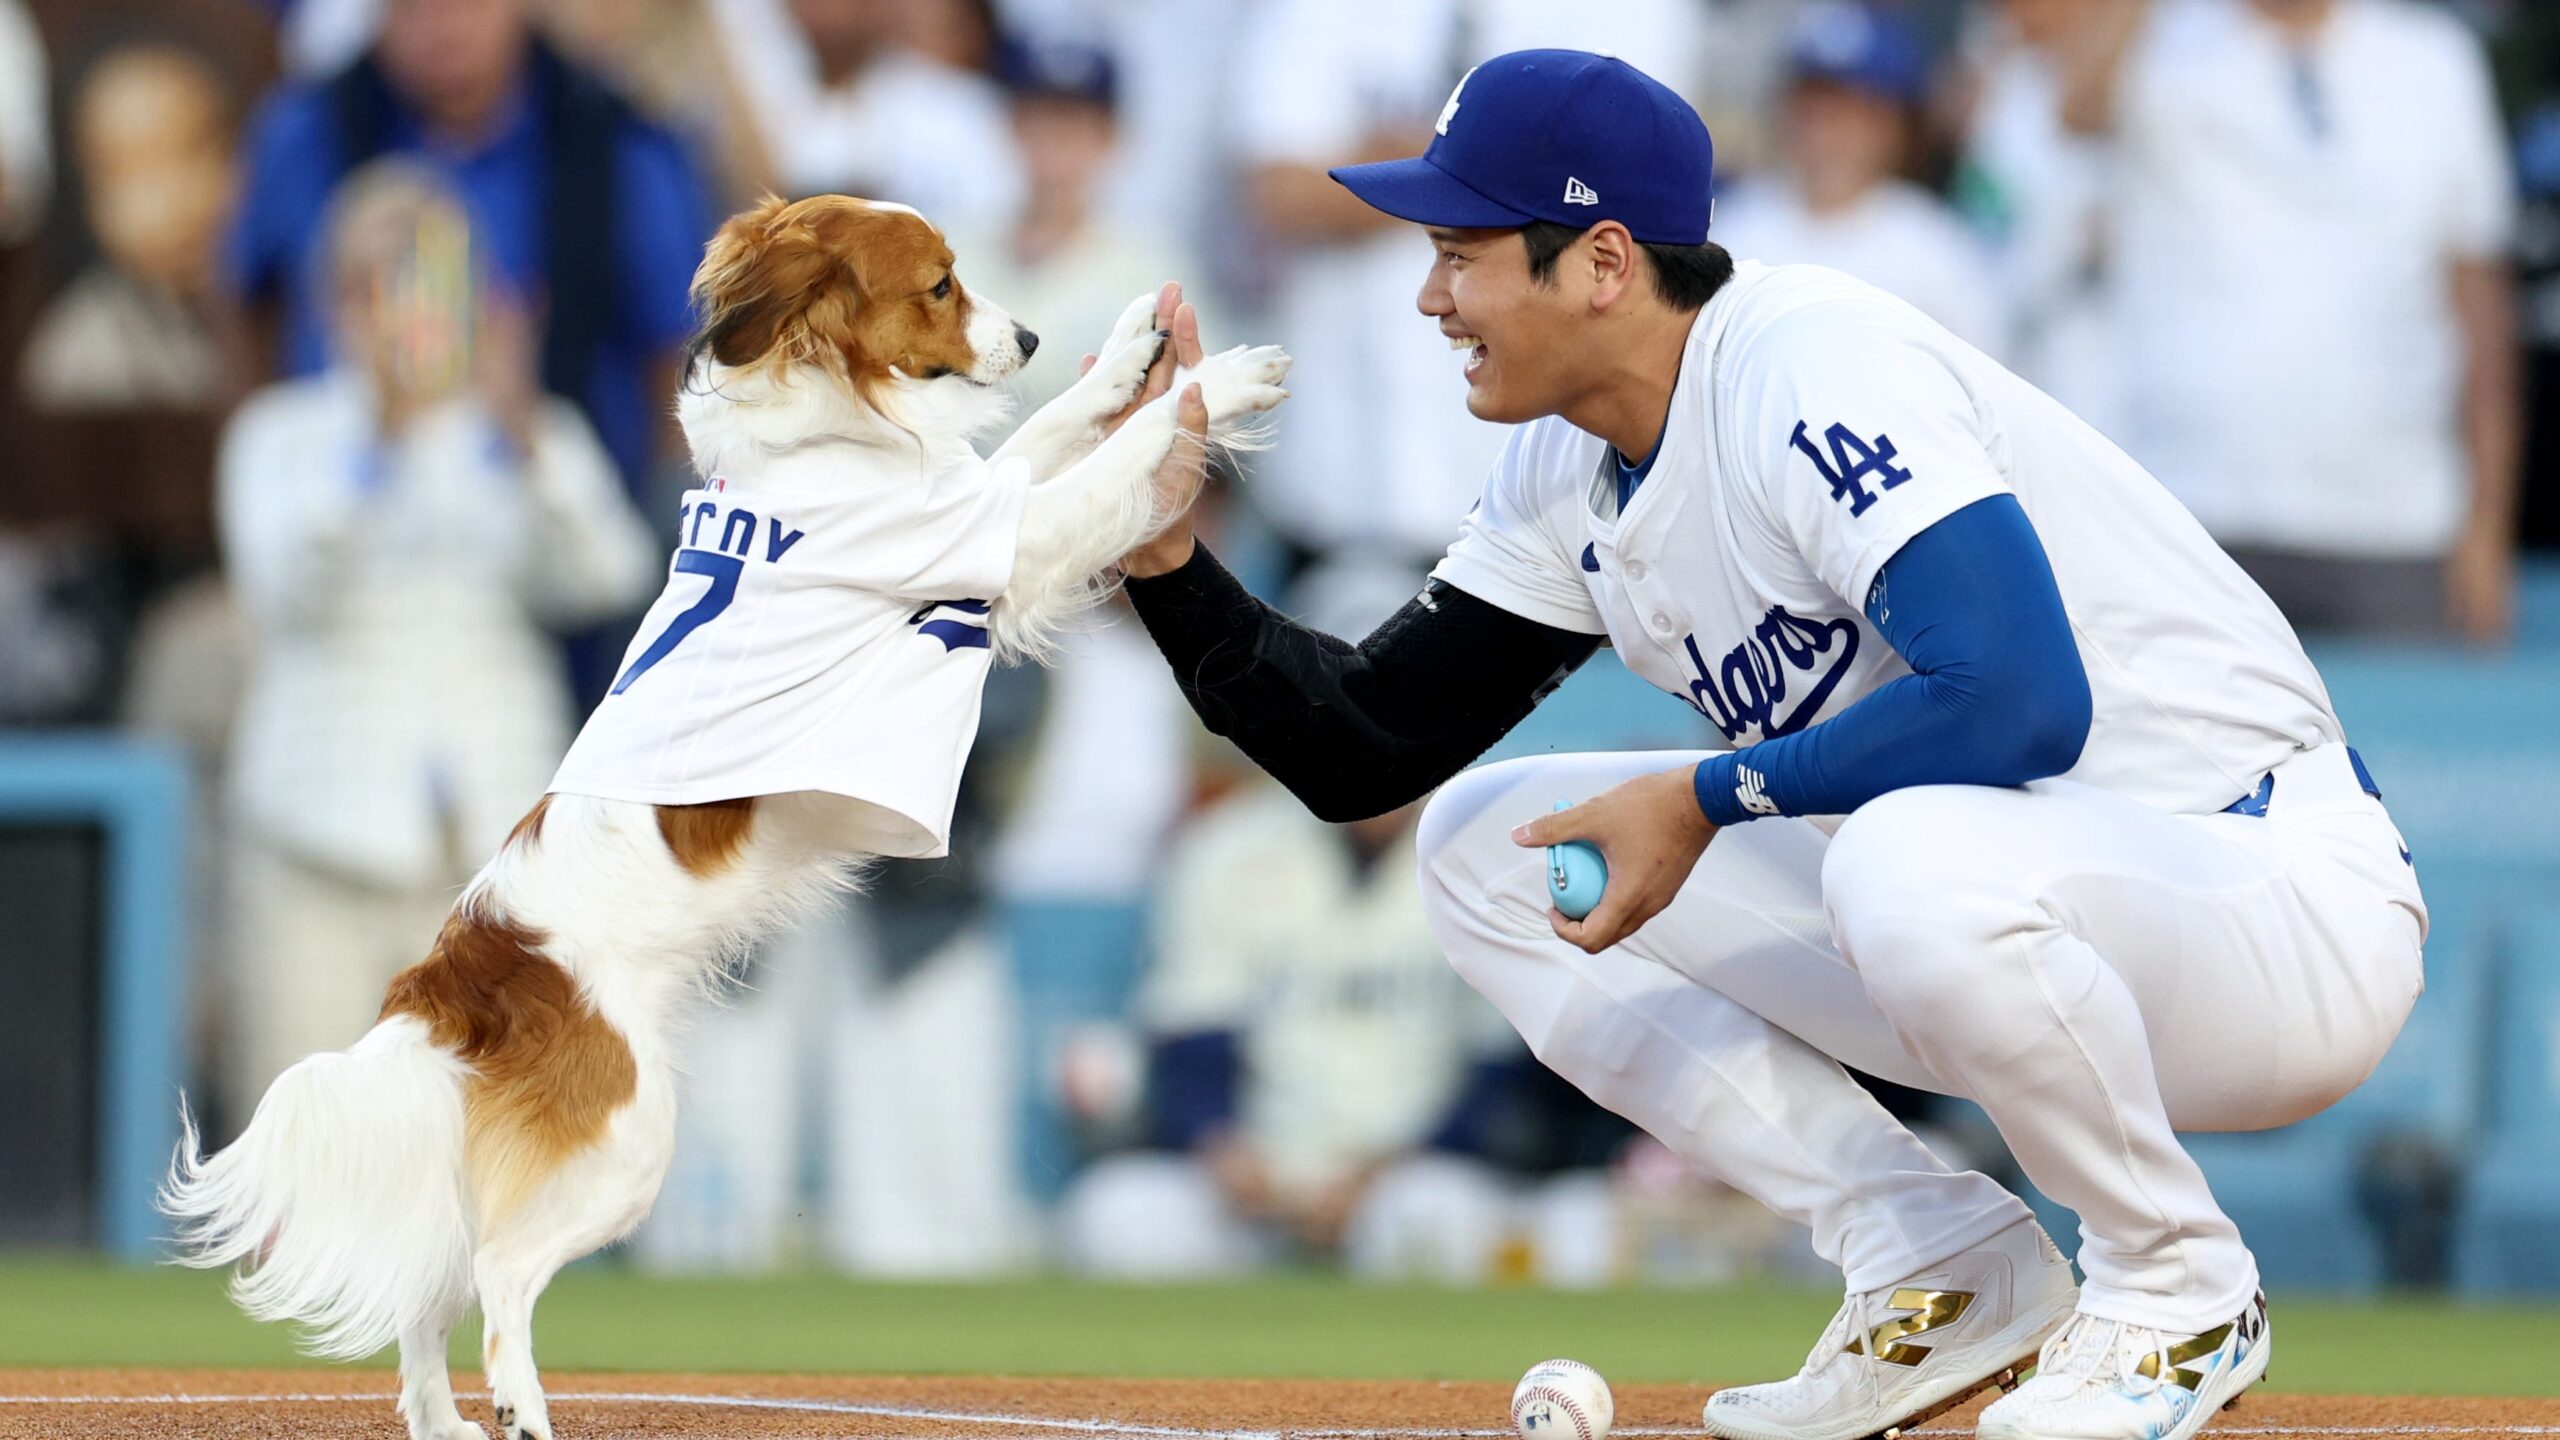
pixel 345 1201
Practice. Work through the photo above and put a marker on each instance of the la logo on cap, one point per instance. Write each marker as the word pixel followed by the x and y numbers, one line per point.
pixel 1449 111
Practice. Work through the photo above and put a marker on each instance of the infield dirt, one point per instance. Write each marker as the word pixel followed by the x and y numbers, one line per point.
pixel 223 1404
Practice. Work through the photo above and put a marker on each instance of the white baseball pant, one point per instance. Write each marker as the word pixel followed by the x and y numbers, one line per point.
pixel 2089 970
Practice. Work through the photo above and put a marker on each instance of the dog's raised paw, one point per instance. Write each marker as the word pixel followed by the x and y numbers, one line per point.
pixel 1134 322
pixel 1127 356
pixel 1240 383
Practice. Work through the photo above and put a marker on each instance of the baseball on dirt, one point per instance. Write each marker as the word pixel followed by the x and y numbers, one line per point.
pixel 1562 1400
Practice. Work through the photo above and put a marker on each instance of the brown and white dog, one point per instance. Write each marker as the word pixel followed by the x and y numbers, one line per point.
pixel 513 1107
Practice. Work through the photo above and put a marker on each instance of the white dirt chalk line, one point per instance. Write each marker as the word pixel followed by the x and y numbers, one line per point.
pixel 1114 1427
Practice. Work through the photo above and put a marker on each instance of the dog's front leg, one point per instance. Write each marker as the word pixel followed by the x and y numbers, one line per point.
pixel 1066 429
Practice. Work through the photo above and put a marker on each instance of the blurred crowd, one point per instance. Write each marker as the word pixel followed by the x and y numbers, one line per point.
pixel 336 343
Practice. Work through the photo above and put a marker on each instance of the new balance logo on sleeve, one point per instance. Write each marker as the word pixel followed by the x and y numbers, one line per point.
pixel 1577 193
pixel 1750 789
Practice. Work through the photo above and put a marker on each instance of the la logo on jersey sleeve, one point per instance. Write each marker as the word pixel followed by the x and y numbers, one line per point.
pixel 1851 464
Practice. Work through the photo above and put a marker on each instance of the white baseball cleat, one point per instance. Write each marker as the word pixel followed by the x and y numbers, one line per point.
pixel 2106 1380
pixel 1895 1357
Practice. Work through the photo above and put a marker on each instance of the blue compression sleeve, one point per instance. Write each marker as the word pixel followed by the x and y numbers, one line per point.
pixel 1996 696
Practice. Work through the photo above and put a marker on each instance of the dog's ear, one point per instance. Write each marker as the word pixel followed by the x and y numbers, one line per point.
pixel 756 280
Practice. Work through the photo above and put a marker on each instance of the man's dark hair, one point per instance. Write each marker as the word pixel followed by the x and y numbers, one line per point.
pixel 1685 276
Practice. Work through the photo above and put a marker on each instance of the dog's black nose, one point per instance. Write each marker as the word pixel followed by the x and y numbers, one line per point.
pixel 1023 337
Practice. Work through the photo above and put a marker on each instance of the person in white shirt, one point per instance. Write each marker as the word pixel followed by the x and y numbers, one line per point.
pixel 2313 205
pixel 843 106
pixel 1372 455
pixel 2040 192
pixel 403 532
pixel 1837 197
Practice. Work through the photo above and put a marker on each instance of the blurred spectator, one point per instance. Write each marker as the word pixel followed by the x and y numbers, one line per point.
pixel 1859 76
pixel 1176 62
pixel 128 361
pixel 2040 192
pixel 153 129
pixel 399 529
pixel 1066 266
pixel 321 37
pixel 592 214
pixel 1307 1040
pixel 2313 212
pixel 26 151
pixel 672 61
pixel 848 105
pixel 957 33
pixel 1372 450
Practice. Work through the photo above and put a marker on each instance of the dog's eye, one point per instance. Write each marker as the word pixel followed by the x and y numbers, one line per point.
pixel 943 290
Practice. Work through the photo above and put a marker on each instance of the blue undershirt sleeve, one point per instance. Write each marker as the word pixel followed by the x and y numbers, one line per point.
pixel 1997 695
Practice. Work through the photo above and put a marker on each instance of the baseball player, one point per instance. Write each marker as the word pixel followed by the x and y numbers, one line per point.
pixel 2034 798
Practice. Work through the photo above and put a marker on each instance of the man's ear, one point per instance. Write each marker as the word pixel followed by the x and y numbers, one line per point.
pixel 1612 257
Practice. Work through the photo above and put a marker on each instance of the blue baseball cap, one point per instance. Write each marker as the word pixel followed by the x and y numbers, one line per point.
pixel 1559 135
pixel 1863 48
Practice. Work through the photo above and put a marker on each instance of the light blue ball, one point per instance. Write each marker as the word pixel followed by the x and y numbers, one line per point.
pixel 1575 875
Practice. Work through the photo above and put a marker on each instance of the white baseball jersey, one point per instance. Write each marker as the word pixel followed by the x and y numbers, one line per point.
pixel 1818 424
pixel 824 628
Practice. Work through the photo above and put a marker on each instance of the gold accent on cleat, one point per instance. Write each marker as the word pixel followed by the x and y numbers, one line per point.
pixel 1934 1309
pixel 2182 1352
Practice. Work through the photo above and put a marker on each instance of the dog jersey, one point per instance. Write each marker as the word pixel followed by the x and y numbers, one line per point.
pixel 823 628
pixel 1817 425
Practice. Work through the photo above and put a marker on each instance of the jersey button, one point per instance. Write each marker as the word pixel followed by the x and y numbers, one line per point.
pixel 1661 623
pixel 1635 569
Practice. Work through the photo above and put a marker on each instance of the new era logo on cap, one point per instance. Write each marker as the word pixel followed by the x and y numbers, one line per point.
pixel 1557 135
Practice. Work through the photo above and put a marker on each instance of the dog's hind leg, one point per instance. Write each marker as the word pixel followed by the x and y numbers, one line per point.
pixel 593 1199
pixel 426 1384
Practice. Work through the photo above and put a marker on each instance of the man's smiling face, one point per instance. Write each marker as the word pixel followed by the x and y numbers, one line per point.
pixel 1516 333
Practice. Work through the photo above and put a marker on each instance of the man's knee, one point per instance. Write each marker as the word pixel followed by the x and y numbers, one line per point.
pixel 1458 805
pixel 1458 843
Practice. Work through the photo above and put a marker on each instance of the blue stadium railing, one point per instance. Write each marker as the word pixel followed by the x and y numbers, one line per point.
pixel 136 792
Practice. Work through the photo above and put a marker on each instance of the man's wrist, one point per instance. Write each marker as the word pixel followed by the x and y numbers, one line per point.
pixel 1160 556
pixel 1716 783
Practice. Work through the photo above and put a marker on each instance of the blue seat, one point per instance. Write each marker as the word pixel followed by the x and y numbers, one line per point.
pixel 2508 1241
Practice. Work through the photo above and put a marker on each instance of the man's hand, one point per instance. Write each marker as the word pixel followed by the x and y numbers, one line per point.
pixel 1178 478
pixel 1651 832
pixel 1179 321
